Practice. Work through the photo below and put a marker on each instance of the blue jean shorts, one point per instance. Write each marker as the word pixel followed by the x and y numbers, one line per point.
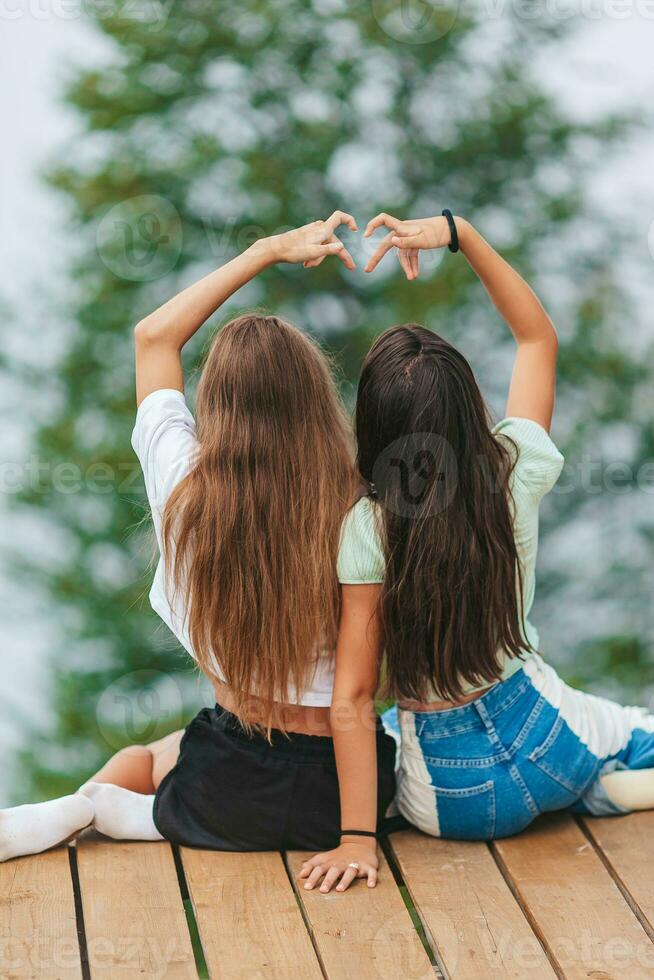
pixel 528 745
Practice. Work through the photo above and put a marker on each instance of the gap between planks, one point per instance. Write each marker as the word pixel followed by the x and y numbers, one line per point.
pixel 468 911
pixel 573 903
pixel 625 846
pixel 362 932
pixel 134 917
pixel 249 921
pixel 38 923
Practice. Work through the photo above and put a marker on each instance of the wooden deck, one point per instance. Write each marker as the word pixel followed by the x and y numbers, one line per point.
pixel 568 898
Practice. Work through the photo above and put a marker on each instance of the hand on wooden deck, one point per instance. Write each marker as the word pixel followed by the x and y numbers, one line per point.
pixel 346 862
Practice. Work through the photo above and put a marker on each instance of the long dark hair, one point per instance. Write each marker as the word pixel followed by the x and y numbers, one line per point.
pixel 451 602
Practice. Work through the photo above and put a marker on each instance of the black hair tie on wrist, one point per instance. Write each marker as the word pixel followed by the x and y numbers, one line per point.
pixel 358 833
pixel 454 237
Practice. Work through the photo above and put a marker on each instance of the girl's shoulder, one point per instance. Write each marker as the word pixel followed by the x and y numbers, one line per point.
pixel 165 441
pixel 360 554
pixel 538 462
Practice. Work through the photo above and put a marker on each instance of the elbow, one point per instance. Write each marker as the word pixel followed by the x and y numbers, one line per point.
pixel 553 344
pixel 359 689
pixel 543 336
pixel 359 697
pixel 554 339
pixel 352 710
pixel 145 333
pixel 548 335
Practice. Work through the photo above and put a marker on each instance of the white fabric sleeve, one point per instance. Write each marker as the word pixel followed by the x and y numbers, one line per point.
pixel 539 462
pixel 360 555
pixel 165 442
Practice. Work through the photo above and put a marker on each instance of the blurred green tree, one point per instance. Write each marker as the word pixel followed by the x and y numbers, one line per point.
pixel 213 123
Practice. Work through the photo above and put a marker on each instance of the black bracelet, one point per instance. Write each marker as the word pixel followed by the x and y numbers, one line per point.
pixel 358 833
pixel 454 237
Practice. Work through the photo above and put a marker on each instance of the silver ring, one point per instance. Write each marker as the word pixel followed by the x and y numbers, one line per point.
pixel 353 864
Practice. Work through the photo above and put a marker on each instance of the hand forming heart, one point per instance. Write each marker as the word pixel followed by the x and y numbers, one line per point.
pixel 312 243
pixel 408 237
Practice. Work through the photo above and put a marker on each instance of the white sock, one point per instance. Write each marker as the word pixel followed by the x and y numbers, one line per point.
pixel 120 813
pixel 35 827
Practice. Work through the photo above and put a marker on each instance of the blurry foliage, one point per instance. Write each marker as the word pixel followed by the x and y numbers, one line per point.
pixel 269 113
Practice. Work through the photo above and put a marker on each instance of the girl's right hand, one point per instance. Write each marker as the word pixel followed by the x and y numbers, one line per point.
pixel 312 243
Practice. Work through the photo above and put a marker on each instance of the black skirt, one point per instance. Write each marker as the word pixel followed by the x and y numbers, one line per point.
pixel 231 791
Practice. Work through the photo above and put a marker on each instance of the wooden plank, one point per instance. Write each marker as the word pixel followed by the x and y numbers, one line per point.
pixel 364 932
pixel 134 916
pixel 627 846
pixel 573 904
pixel 249 921
pixel 38 928
pixel 474 922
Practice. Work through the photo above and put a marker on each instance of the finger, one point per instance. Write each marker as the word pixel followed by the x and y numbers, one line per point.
pixel 413 259
pixel 387 220
pixel 405 261
pixel 348 877
pixel 331 877
pixel 343 255
pixel 372 877
pixel 315 877
pixel 407 229
pixel 385 246
pixel 310 863
pixel 412 240
pixel 340 218
pixel 328 248
pixel 346 259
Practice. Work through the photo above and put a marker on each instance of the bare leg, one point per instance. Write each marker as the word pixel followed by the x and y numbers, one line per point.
pixel 141 768
pixel 118 800
pixel 122 792
pixel 632 789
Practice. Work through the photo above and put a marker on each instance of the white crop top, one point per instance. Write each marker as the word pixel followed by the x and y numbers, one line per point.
pixel 165 442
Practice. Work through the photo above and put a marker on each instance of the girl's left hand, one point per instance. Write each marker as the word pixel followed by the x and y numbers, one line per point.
pixel 408 237
pixel 342 865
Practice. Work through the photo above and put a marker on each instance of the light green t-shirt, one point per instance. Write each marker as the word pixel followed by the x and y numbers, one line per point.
pixel 538 466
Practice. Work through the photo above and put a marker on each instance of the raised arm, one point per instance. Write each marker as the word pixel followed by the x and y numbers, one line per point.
pixel 353 724
pixel 160 337
pixel 531 394
pixel 533 382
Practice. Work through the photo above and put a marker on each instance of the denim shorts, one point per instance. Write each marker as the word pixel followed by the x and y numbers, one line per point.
pixel 530 744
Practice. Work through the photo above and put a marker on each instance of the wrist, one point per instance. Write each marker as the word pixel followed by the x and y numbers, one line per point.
pixel 261 253
pixel 463 229
pixel 358 842
pixel 352 836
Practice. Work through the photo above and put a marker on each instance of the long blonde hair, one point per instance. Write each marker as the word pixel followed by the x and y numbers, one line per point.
pixel 251 534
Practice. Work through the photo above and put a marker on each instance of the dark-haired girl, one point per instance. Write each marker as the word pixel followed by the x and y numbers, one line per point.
pixel 490 735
